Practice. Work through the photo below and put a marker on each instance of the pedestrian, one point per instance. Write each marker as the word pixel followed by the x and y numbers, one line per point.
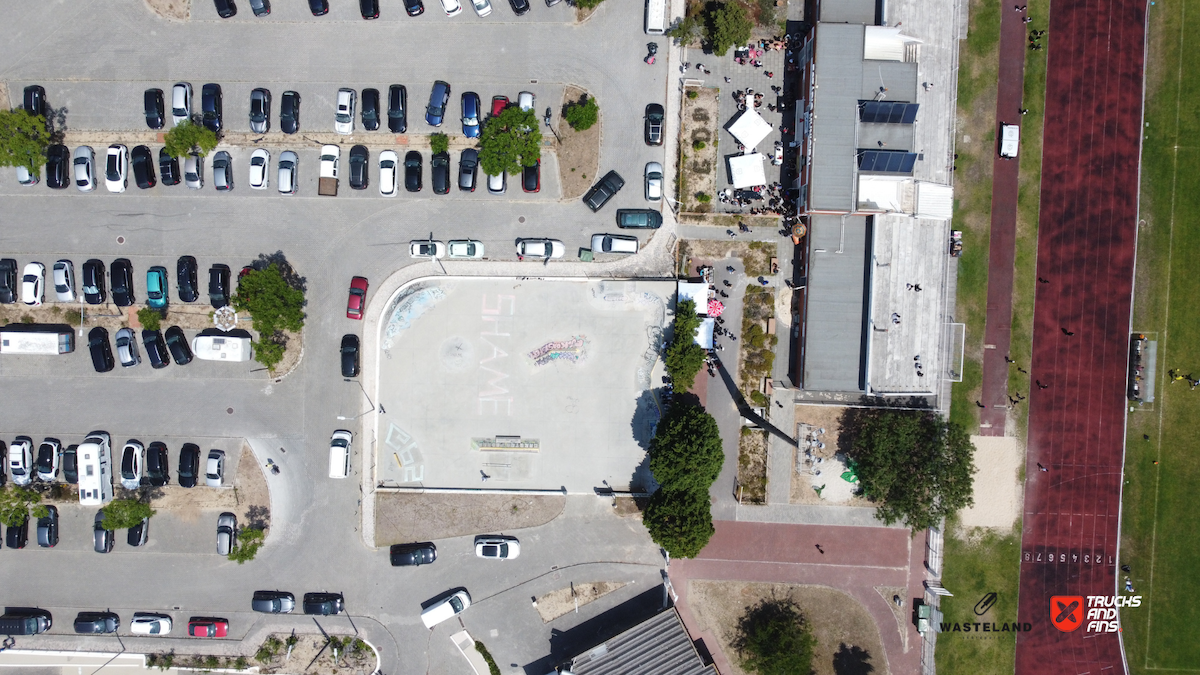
pixel 778 404
pixel 1007 359
pixel 769 74
pixel 917 288
pixel 1042 468
pixel 1024 111
pixel 980 403
pixel 731 233
pixel 727 284
pixel 820 549
pixel 730 268
pixel 1022 370
pixel 700 67
pixel 1145 437
pixel 1016 8
pixel 1043 281
pixel 1040 385
pixel 1037 48
pixel 728 80
pixel 927 85
pixel 1067 332
pixel 483 475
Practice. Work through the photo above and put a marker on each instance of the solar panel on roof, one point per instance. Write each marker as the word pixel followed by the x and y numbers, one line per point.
pixel 887 112
pixel 886 161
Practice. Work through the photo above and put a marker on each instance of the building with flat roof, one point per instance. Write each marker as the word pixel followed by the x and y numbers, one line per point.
pixel 660 645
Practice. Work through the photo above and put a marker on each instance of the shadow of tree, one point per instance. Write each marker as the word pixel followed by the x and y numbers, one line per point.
pixel 56 122
pixel 289 273
pixel 851 660
pixel 258 517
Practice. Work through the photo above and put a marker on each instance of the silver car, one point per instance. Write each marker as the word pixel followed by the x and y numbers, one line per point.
pixel 133 458
pixel 193 171
pixel 223 171
pixel 215 470
pixel 181 102
pixel 127 348
pixel 64 281
pixel 226 533
pixel 286 177
pixel 654 182
pixel 83 162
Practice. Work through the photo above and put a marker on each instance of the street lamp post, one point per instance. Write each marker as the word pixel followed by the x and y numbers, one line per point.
pixel 367 396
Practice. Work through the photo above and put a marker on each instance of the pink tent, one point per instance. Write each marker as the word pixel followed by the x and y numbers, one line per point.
pixel 715 308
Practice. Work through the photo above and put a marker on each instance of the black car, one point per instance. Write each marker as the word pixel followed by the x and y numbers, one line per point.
pixel 260 7
pixel 439 95
pixel 369 101
pixel 349 356
pixel 185 274
pixel 18 535
pixel 398 106
pixel 58 167
pixel 412 171
pixel 519 7
pixel 96 622
pixel 168 168
pixel 468 161
pixel 102 539
pixel 225 8
pixel 121 281
pixel 143 167
pixel 35 101
pixel 218 286
pixel 158 469
pixel 604 190
pixel 273 602
pixel 260 111
pixel 640 219
pixel 654 124
pixel 156 348
pixel 318 7
pixel 8 281
pixel 47 528
pixel 152 101
pixel 360 159
pixel 439 173
pixel 138 534
pixel 177 344
pixel 189 464
pixel 531 177
pixel 414 7
pixel 98 345
pixel 93 282
pixel 211 106
pixel 369 8
pixel 411 555
pixel 323 604
pixel 47 462
pixel 70 464
pixel 289 112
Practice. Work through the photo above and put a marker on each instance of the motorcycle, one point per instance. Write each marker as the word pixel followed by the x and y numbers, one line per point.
pixel 653 49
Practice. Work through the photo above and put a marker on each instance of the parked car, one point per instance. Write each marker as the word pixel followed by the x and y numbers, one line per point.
pixel 603 190
pixel 8 281
pixel 47 528
pixel 497 184
pixel 526 100
pixel 398 106
pixel 499 103
pixel 465 248
pixel 343 118
pixel 447 608
pixel 439 95
pixel 145 623
pixel 470 114
pixel 49 451
pixel 388 171
pixel 260 7
pixel 96 623
pixel 152 104
pixel 27 178
pixel 540 248
pixel 426 248
pixel 357 301
pixel 222 167
pixel 138 534
pixel 218 286
pixel 260 169
pixel 168 168
pixel 214 472
pixel 70 464
pixel 225 8
pixel 158 465
pixel 439 173
pixel 318 7
pixel 289 112
pixel 20 460
pixel 324 604
pixel 177 344
pixel 212 107
pixel 370 107
pixel 121 278
pixel 412 171
pixel 82 161
pixel 207 627
pixel 181 102
pixel 531 177
pixel 360 159
pixel 64 281
pixel 127 349
pixel 58 167
pixel 34 100
pixel 614 243
pixel 654 124
pixel 102 539
pixel 412 555
pixel 339 453
pixel 451 7
pixel 102 356
pixel 273 602
pixel 189 465
pixel 369 9
pixel 519 7
pixel 639 219
pixel 468 162
pixel 286 179
pixel 193 171
pixel 157 294
pixel 482 7
pixel 260 111
pixel 497 547
pixel 18 535
pixel 349 356
pixel 654 182
pixel 226 533
pixel 93 282
pixel 116 168
pixel 185 278
pixel 33 284
pixel 414 7
pixel 133 456
pixel 156 349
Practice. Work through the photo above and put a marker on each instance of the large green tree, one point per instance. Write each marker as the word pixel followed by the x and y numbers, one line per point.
pixel 510 141
pixel 685 358
pixel 680 521
pixel 185 137
pixel 686 452
pixel 120 514
pixel 249 540
pixel 773 639
pixel 15 503
pixel 274 306
pixel 915 465
pixel 23 139
pixel 727 24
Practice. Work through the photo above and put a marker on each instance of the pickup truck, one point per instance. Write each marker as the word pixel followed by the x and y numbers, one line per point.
pixel 328 182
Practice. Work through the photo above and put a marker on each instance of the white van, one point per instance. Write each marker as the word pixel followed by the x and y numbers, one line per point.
pixel 656 17
pixel 339 454
pixel 446 609
pixel 222 348
pixel 614 243
pixel 95 469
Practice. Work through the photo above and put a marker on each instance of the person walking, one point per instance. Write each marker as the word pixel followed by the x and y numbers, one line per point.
pixel 1042 468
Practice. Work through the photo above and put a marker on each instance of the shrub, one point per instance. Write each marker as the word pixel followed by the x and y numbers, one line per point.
pixel 493 669
pixel 150 318
pixel 582 115
pixel 23 139
pixel 588 4
pixel 124 513
pixel 703 197
pixel 186 137
pixel 759 399
pixel 249 540
pixel 439 142
pixel 693 94
pixel 773 639
pixel 15 503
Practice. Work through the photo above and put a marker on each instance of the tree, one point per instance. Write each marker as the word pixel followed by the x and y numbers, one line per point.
pixel 915 465
pixel 582 115
pixel 273 304
pixel 686 30
pixel 686 451
pixel 185 137
pixel 439 142
pixel 249 540
pixel 120 514
pixel 685 358
pixel 773 639
pixel 680 521
pixel 15 503
pixel 509 141
pixel 23 139
pixel 727 24
pixel 150 318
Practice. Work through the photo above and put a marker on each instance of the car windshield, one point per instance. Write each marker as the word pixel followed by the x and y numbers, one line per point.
pixel 343 117
pixel 112 172
pixel 456 604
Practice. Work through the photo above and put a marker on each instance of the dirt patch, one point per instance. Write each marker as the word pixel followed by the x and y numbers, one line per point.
pixel 756 356
pixel 309 654
pixel 406 516
pixel 752 466
pixel 719 604
pixel 578 151
pixel 997 484
pixel 812 418
pixel 171 10
pixel 698 160
pixel 565 600
pixel 625 507
pixel 249 499
pixel 755 255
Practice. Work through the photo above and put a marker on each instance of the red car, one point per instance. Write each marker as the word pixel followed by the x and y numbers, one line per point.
pixel 358 298
pixel 200 626
pixel 499 103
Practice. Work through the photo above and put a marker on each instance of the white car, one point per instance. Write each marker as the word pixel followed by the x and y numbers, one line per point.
pixel 150 624
pixel 525 100
pixel 20 460
pixel 181 102
pixel 116 168
pixel 497 547
pixel 25 178
pixel 215 470
pixel 482 7
pixel 33 284
pixel 133 456
pixel 426 248
pixel 339 453
pixel 127 348
pixel 654 182
pixel 286 178
pixel 343 119
pixel 446 609
pixel 452 7
pixel 64 281
pixel 260 168
pixel 540 248
pixel 614 243
pixel 466 248
pixel 82 161
pixel 47 459
pixel 388 161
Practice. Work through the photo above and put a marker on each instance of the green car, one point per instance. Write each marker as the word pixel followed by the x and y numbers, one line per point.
pixel 156 287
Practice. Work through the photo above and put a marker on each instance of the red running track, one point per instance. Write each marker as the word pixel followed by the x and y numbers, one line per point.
pixel 1086 242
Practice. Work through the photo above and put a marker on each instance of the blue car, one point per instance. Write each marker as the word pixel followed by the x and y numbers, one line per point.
pixel 439 96
pixel 156 287
pixel 470 114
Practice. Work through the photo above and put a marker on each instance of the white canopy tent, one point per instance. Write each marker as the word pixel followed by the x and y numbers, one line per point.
pixel 747 170
pixel 697 293
pixel 704 333
pixel 750 128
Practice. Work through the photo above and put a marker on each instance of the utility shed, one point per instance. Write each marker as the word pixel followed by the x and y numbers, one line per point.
pixel 658 646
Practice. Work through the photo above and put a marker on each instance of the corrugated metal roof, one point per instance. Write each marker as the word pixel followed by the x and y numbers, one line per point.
pixel 658 646
pixel 839 75
pixel 847 11
pixel 835 344
pixel 935 201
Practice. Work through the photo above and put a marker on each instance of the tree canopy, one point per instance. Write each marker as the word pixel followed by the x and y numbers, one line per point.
pixel 685 358
pixel 23 139
pixel 186 137
pixel 274 306
pixel 510 141
pixel 686 451
pixel 726 25
pixel 773 639
pixel 582 115
pixel 680 521
pixel 439 142
pixel 248 541
pixel 120 514
pixel 15 503
pixel 915 465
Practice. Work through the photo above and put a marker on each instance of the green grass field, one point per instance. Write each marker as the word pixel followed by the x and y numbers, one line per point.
pixel 1160 538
